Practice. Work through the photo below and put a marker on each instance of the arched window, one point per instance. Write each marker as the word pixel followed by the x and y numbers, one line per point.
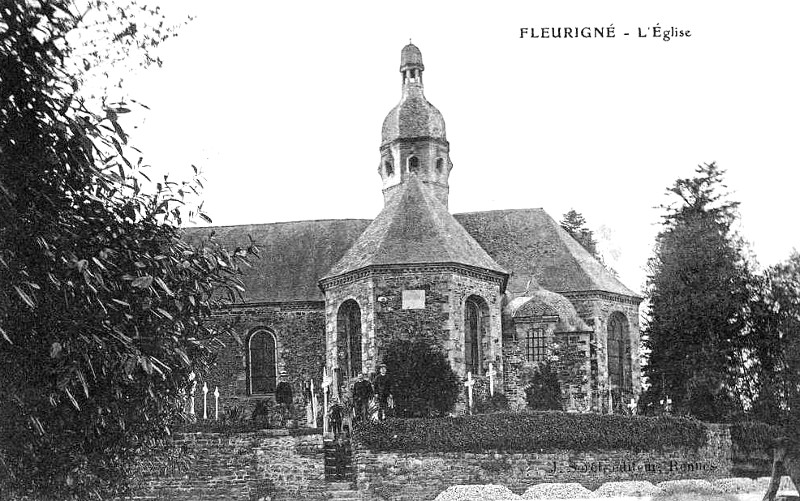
pixel 439 166
pixel 387 165
pixel 476 313
pixel 413 165
pixel 619 365
pixel 261 362
pixel 348 339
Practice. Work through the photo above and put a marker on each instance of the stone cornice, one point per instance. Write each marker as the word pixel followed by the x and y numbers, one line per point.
pixel 536 319
pixel 270 307
pixel 394 269
pixel 598 294
pixel 409 140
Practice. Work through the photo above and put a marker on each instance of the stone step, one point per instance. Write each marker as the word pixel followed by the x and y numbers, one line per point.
pixel 342 492
pixel 340 486
pixel 339 477
pixel 344 496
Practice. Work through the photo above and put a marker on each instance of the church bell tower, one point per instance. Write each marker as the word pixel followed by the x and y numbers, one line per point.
pixel 413 138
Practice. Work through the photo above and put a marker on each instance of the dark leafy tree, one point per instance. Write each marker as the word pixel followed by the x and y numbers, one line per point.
pixel 423 383
pixel 104 309
pixel 774 347
pixel 543 393
pixel 698 287
pixel 575 224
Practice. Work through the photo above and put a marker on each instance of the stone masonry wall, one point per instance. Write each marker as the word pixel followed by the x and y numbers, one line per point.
pixel 300 345
pixel 412 476
pixel 270 464
pixel 441 317
pixel 595 309
pixel 361 291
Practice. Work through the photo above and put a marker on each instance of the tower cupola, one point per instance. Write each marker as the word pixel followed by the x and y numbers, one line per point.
pixel 413 141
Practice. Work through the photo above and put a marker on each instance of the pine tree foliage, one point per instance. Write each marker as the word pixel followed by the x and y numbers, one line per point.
pixel 698 291
pixel 105 311
pixel 575 224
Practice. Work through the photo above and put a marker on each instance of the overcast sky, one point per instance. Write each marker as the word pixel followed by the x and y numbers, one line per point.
pixel 281 105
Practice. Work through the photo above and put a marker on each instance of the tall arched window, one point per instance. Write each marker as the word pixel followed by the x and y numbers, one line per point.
pixel 413 165
pixel 439 166
pixel 261 362
pixel 619 365
pixel 348 339
pixel 387 165
pixel 476 313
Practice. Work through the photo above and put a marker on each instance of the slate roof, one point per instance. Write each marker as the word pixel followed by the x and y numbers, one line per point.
pixel 526 242
pixel 414 228
pixel 293 255
pixel 535 248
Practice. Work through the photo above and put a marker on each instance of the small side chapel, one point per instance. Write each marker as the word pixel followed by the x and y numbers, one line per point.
pixel 506 287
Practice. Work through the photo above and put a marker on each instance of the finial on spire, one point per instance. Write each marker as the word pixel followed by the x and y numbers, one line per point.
pixel 411 57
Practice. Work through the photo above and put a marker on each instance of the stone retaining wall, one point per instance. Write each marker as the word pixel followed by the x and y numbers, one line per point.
pixel 268 464
pixel 279 465
pixel 414 476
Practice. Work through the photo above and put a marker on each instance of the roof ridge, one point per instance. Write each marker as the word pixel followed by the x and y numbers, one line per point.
pixel 498 211
pixel 573 246
pixel 241 225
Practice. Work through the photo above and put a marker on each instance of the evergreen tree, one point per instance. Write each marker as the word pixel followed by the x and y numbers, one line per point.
pixel 104 309
pixel 575 224
pixel 698 292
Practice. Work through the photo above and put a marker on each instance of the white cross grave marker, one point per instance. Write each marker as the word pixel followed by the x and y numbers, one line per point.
pixel 216 403
pixel 469 384
pixel 205 400
pixel 492 373
pixel 313 404
pixel 326 383
pixel 191 393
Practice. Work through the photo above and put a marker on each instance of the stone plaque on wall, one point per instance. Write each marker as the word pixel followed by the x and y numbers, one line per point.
pixel 414 300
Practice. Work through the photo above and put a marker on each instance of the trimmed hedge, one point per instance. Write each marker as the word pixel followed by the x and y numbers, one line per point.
pixel 532 432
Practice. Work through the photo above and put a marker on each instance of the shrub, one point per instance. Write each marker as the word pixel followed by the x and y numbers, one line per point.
pixel 754 437
pixel 532 432
pixel 423 383
pixel 544 391
pixel 494 403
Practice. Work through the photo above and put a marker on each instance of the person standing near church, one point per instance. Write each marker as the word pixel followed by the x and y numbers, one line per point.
pixel 362 393
pixel 283 397
pixel 383 389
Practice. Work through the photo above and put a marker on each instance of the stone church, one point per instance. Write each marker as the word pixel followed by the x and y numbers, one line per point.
pixel 506 287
